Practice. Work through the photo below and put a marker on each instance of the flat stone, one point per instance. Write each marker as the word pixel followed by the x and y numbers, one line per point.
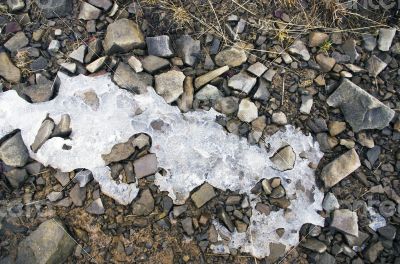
pixel 386 36
pixel 277 250
pixel 269 74
pixel 54 196
pixel 42 91
pixel 306 104
pixel 326 142
pixel 225 218
pixel 50 243
pixel 187 225
pixel 96 65
pixel 54 46
pixel 120 151
pixel 326 258
pixel 13 151
pixel 69 66
pixel 330 203
pixel 204 194
pixel 360 109
pixel 135 64
pixel 262 92
pixel 326 63
pixel 62 177
pixel 316 39
pixel 55 8
pixel 375 66
pixel 96 207
pixel 144 205
pixel 39 64
pixel 16 177
pixel 89 12
pixel 340 168
pixel 345 221
pixel 145 166
pixel 227 105
pixel 231 57
pixel 169 85
pixel 349 48
pixel 16 42
pixel 298 48
pixel 44 133
pixel 126 78
pixel 83 177
pixel 242 82
pixel 284 158
pixel 78 54
pixel 103 4
pixel 8 70
pixel 188 49
pixel 77 195
pixel 152 64
pixel 94 48
pixel 336 127
pixel 123 35
pixel 34 168
pixel 159 46
pixel 365 140
pixel 257 69
pixel 369 42
pixel 279 118
pixel 178 210
pixel 247 111
pixel 314 244
pixel 206 78
pixel 373 154
pixel 208 93
pixel 185 102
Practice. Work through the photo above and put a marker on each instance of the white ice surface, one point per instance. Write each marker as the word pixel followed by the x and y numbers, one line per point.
pixel 191 147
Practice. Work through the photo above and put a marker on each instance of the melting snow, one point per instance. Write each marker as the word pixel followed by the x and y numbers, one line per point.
pixel 191 147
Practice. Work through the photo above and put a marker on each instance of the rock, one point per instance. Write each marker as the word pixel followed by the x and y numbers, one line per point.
pixel 15 5
pixel 257 69
pixel 152 64
pixel 55 8
pixel 386 36
pixel 284 158
pixel 16 177
pixel 206 78
pixel 227 105
pixel 326 258
pixel 340 168
pixel 77 195
pixel 336 127
pixel 145 166
pixel 277 250
pixel 279 118
pixel 54 46
pixel 314 245
pixel 374 251
pixel 71 67
pixel 13 151
pixel 298 48
pixel 103 4
pixel 63 128
pixel 373 154
pixel 144 205
pixel 326 142
pixel 326 63
pixel 44 133
pixel 266 186
pixel 126 78
pixel 135 64
pixel 369 42
pixel 375 66
pixel 83 177
pixel 62 177
pixel 224 217
pixel 262 92
pixel 89 12
pixel 231 57
pixel 39 64
pixel 204 194
pixel 247 111
pixel 316 39
pixel 94 48
pixel 7 69
pixel 78 54
pixel 169 85
pixel 50 243
pixel 208 63
pixel 185 102
pixel 345 221
pixel 120 151
pixel 347 143
pixel 16 42
pixel 269 75
pixel 34 168
pixel 242 82
pixel 159 46
pixel 42 91
pixel 188 49
pixel 207 93
pixel 187 225
pixel 54 196
pixel 330 203
pixel 96 207
pixel 365 140
pixel 360 109
pixel 122 36
pixel 96 65
pixel 349 48
pixel 306 104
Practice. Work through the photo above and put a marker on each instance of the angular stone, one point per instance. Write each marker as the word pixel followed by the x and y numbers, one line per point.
pixel 159 46
pixel 187 225
pixel 169 85
pixel 78 54
pixel 369 42
pixel 231 57
pixel 247 111
pixel 13 151
pixel 242 82
pixel 315 39
pixel 135 64
pixel 88 12
pixel 54 46
pixel 16 177
pixel 16 42
pixel 257 69
pixel 269 74
pixel 306 104
pixel 120 151
pixel 145 166
pixel 185 102
pixel 204 194
pixel 62 177
pixel 188 49
pixel 279 118
pixel 122 36
pixel 103 4
pixel 42 91
pixel 206 78
pixel 96 207
pixel 284 158
pixel 349 48
pixel 54 196
pixel 326 63
pixel 336 127
pixel 144 205
pixel 44 133
pixel 330 203
pixel 227 105
pixel 298 48
pixel 360 109
pixel 345 221
pixel 386 36
pixel 50 243
pixel 63 128
pixel 8 70
pixel 373 251
pixel 69 66
pixel 96 65
pixel 83 177
pixel 314 245
pixel 15 5
pixel 340 168
pixel 225 218
pixel 208 93
pixel 375 66
pixel 326 142
pixel 151 64
pixel 77 195
pixel 262 92
pixel 55 8
pixel 39 64
pixel 126 78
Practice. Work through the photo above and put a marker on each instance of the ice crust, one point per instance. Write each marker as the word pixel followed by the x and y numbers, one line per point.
pixel 191 147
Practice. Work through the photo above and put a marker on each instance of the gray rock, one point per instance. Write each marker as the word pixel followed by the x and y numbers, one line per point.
pixel 340 58
pixel 34 168
pixel 126 78
pixel 54 196
pixel 369 42
pixel 8 70
pixel 262 92
pixel 152 64
pixel 345 221
pixel 336 127
pixel 231 57
pixel 386 36
pixel 16 177
pixel 373 154
pixel 93 49
pixel 340 168
pixel 120 151
pixel 42 91
pixel 39 64
pixel 314 245
pixel 54 46
pixel 204 194
pixel 326 63
pixel 15 5
pixel 178 210
pixel 374 251
pixel 284 158
pixel 187 225
pixel 69 66
pixel 360 109
pixel 169 85
pixel 298 48
pixel 89 12
pixel 247 111
pixel 185 102
pixel 145 166
pixel 50 243
pixel 279 118
pixel 257 69
pixel 63 128
pixel 44 133
pixel 207 93
pixel 96 65
pixel 62 177
pixel 83 177
pixel 188 49
pixel 316 39
pixel 277 250
pixel 225 218
pixel 242 82
pixel 159 46
pixel 375 66
pixel 330 203
pixel 55 8
pixel 269 74
pixel 326 142
pixel 326 258
pixel 77 195
pixel 16 42
pixel 122 36
pixel 78 54
pixel 387 232
pixel 135 64
pixel 206 78
pixel 306 104
pixel 349 48
pixel 96 207
pixel 13 151
pixel 103 4
pixel 144 205
pixel 227 105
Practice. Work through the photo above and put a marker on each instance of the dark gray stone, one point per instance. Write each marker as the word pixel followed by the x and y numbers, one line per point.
pixel 144 205
pixel 55 8
pixel 96 207
pixel 152 64
pixel 188 49
pixel 16 177
pixel 13 151
pixel 159 46
pixel 126 78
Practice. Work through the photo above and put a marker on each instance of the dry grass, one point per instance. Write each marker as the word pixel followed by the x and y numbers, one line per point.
pixel 22 61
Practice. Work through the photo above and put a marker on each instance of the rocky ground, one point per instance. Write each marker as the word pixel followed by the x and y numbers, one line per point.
pixel 330 72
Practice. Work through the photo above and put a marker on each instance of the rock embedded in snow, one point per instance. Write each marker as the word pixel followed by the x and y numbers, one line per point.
pixel 126 78
pixel 206 78
pixel 204 194
pixel 159 46
pixel 345 221
pixel 188 49
pixel 340 168
pixel 231 57
pixel 120 151
pixel 83 177
pixel 330 203
pixel 375 66
pixel 8 70
pixel 145 166
pixel 386 36
pixel 44 133
pixel 63 128
pixel 361 110
pixel 242 82
pixel 13 151
pixel 170 85
pixel 123 35
pixel 284 159
pixel 247 111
